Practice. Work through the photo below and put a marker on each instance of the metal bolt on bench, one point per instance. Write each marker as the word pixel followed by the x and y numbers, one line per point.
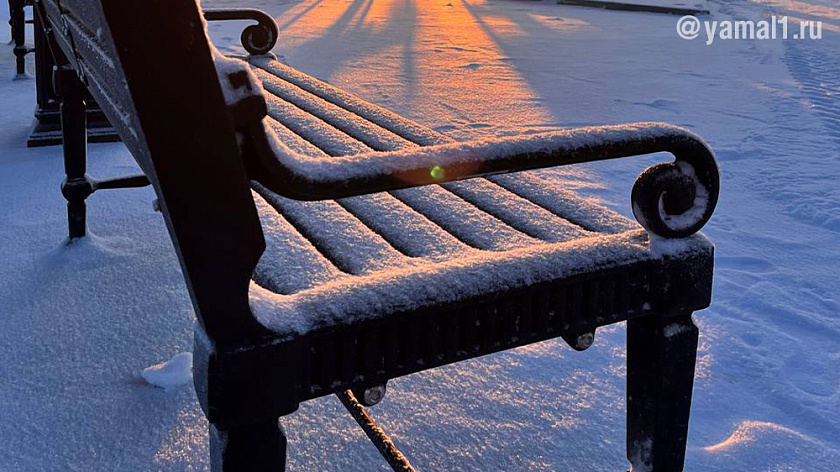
pixel 308 176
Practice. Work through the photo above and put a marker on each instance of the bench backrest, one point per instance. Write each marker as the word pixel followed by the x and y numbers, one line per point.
pixel 149 66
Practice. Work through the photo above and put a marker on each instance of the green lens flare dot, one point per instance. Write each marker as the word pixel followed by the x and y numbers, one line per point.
pixel 437 172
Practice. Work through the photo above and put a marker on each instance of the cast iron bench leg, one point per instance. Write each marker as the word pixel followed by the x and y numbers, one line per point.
pixel 661 351
pixel 260 447
pixel 17 20
pixel 76 186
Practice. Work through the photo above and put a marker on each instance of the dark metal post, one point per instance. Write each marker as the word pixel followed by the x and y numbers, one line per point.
pixel 47 128
pixel 17 20
pixel 76 186
pixel 48 120
pixel 661 352
pixel 259 447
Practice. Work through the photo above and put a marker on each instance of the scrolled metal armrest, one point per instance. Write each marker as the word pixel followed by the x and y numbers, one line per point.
pixel 256 39
pixel 676 199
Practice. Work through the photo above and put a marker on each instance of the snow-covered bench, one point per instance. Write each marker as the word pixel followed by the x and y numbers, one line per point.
pixel 329 244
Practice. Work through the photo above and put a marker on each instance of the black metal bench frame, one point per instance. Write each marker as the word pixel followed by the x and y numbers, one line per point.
pixel 46 130
pixel 17 23
pixel 245 377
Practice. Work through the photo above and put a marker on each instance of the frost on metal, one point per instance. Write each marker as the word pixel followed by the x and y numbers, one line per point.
pixel 674 329
pixel 640 459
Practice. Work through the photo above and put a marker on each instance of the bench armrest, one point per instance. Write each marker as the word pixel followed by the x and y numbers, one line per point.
pixel 670 200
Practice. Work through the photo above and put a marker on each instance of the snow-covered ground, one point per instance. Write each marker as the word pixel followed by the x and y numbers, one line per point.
pixel 78 325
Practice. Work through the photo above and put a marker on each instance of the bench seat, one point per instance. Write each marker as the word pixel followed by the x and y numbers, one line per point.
pixel 341 262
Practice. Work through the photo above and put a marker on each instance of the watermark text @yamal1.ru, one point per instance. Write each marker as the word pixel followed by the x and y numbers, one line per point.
pixel 690 27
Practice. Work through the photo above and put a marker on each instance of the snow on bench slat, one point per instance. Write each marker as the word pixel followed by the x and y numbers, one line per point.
pixel 322 135
pixel 425 136
pixel 502 204
pixel 364 164
pixel 457 216
pixel 432 284
pixel 373 136
pixel 404 228
pixel 355 232
pixel 516 211
pixel 383 212
pixel 340 236
pixel 387 119
pixel 290 262
pixel 488 197
pixel 407 230
pixel 552 194
pixel 293 140
pixel 463 220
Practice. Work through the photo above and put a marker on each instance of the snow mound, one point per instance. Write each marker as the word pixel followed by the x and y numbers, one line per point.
pixel 172 373
pixel 756 445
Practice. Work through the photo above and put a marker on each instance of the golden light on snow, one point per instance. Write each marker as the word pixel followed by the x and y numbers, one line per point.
pixel 750 431
pixel 421 52
pixel 185 440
